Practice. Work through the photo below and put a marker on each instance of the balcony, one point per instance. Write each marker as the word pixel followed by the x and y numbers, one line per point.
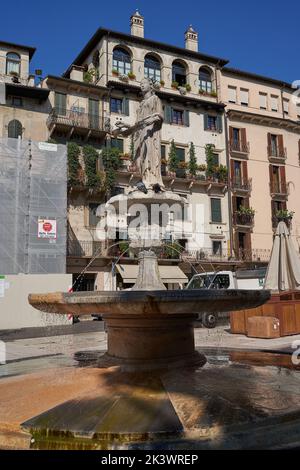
pixel 85 249
pixel 277 154
pixel 239 148
pixel 241 185
pixel 278 189
pixel 73 122
pixel 243 219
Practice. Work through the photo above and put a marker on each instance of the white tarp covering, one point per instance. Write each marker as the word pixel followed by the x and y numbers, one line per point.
pixel 283 271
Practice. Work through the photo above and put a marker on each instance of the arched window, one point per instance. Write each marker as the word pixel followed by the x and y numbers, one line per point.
pixel 152 67
pixel 121 60
pixel 178 73
pixel 13 63
pixel 15 129
pixel 205 82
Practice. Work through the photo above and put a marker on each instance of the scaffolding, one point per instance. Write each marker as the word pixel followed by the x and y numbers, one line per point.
pixel 33 188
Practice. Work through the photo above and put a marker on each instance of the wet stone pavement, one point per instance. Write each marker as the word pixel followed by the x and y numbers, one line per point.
pixel 244 397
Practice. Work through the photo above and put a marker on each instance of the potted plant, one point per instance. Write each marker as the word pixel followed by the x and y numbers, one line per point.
pixel 115 72
pixel 175 85
pixel 124 77
pixel 283 215
pixel 202 167
pixel 124 156
pixel 221 172
pixel 213 93
pixel 201 92
pixel 188 87
pixel 131 75
pixel 245 215
pixel 162 82
pixel 12 73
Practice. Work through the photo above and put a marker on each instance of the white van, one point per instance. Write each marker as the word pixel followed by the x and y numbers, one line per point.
pixel 243 279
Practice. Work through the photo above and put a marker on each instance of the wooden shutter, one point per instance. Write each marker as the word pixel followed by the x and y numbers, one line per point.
pixel 243 138
pixel 216 215
pixel 246 202
pixel 245 172
pixel 205 119
pixel 168 114
pixel 269 144
pixel 125 106
pixel 232 172
pixel 271 174
pixel 186 118
pixel 219 123
pixel 234 204
pixel 60 103
pixel 280 145
pixel 282 179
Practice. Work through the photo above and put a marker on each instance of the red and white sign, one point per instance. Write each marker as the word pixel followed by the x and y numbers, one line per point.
pixel 47 228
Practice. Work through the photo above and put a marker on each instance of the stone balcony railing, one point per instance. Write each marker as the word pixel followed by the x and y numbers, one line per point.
pixel 29 81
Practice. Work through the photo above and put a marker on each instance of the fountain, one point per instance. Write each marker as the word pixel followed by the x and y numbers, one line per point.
pixel 149 329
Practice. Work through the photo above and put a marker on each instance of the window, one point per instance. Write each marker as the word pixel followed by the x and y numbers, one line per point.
pixel 118 143
pixel 121 61
pixel 13 64
pixel 213 123
pixel 16 101
pixel 152 68
pixel 119 105
pixel 15 129
pixel 180 172
pixel 60 103
pixel 232 94
pixel 274 145
pixel 263 100
pixel 275 179
pixel 116 105
pixel 215 159
pixel 236 136
pixel 93 219
pixel 178 73
pixel 205 82
pixel 177 116
pixel 216 215
pixel 274 103
pixel 237 168
pixel 286 103
pixel 244 94
pixel 217 248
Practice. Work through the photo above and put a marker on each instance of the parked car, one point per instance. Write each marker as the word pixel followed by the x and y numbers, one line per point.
pixel 242 279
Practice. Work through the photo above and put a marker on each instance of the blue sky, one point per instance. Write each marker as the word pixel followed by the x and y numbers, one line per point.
pixel 257 36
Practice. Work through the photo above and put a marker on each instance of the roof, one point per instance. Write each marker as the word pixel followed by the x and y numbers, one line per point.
pixel 146 42
pixel 30 49
pixel 255 76
pixel 13 89
pixel 75 82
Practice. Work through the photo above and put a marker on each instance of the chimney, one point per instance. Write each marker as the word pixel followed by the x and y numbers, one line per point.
pixel 191 39
pixel 137 24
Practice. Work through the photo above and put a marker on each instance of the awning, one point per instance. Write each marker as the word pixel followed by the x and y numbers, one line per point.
pixel 168 274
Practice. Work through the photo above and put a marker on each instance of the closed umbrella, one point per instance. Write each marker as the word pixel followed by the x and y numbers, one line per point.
pixel 283 271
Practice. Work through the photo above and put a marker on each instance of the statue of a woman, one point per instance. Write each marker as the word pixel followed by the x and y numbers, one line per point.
pixel 146 135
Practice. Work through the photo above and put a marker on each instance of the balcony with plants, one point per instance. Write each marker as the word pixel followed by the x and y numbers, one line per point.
pixel 244 216
pixel 282 215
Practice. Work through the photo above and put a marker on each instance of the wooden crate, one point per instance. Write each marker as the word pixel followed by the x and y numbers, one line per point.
pixel 263 327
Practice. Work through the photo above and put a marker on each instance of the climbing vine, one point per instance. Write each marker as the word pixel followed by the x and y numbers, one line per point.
pixel 193 167
pixel 90 157
pixel 111 162
pixel 73 151
pixel 173 158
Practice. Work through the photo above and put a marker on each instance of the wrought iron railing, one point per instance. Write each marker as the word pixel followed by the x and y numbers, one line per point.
pixel 239 146
pixel 277 152
pixel 241 184
pixel 243 219
pixel 72 118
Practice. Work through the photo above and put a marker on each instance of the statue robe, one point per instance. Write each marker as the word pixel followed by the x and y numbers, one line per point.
pixel 147 142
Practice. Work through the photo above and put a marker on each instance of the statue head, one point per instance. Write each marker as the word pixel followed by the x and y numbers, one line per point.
pixel 147 85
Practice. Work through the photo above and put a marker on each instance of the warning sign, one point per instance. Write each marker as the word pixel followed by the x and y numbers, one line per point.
pixel 47 228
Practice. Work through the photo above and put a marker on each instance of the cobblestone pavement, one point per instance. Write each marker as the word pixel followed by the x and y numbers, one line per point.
pixel 68 344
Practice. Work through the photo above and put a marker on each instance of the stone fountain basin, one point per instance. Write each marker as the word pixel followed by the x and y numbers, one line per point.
pixel 156 302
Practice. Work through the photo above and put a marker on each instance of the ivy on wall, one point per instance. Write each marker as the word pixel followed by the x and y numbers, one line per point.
pixel 193 167
pixel 173 158
pixel 90 157
pixel 73 151
pixel 111 162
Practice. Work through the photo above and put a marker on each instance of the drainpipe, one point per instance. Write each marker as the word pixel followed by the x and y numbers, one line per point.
pixel 230 217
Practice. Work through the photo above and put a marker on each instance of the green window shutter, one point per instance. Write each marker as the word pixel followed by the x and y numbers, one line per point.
pixel 205 118
pixel 125 106
pixel 93 113
pixel 118 143
pixel 163 151
pixel 216 215
pixel 186 118
pixel 219 123
pixel 60 103
pixel 180 154
pixel 168 114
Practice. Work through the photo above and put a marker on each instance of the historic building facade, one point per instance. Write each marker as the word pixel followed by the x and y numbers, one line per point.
pixel 224 118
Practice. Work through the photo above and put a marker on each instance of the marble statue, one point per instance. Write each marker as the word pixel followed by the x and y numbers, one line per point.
pixel 146 136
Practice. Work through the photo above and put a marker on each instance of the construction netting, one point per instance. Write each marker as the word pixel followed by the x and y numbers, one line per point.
pixel 33 207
